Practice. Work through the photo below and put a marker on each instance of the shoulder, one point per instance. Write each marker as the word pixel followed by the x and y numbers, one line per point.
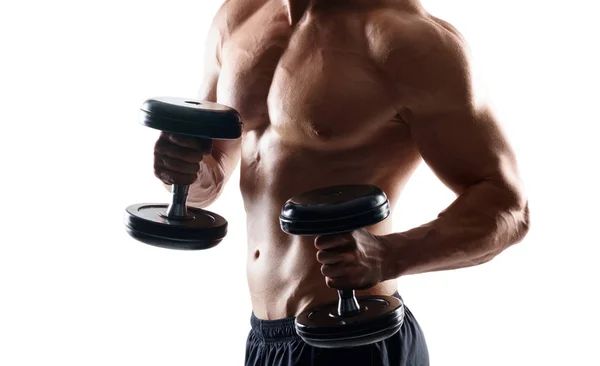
pixel 228 17
pixel 424 58
pixel 391 32
pixel 232 13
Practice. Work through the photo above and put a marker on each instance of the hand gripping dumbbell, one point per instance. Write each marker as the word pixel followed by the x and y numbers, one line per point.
pixel 351 321
pixel 176 225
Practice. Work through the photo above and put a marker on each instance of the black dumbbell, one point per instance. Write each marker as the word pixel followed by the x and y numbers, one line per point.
pixel 351 321
pixel 175 225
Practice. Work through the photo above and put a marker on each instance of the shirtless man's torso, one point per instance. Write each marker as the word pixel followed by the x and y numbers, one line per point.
pixel 340 92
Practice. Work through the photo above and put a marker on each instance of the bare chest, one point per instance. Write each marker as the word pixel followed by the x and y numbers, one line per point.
pixel 313 83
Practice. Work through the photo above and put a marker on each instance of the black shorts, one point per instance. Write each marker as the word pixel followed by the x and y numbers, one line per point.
pixel 275 343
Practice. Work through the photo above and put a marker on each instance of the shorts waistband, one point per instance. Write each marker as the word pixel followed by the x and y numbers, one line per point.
pixel 280 329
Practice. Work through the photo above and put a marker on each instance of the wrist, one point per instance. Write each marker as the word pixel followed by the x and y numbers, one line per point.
pixel 394 264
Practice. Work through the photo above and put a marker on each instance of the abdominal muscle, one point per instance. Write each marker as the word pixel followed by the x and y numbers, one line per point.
pixel 284 277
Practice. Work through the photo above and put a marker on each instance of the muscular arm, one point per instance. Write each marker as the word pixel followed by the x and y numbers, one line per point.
pixel 460 139
pixel 216 168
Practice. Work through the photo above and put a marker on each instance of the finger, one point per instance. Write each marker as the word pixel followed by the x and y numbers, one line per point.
pixel 338 283
pixel 336 270
pixel 190 142
pixel 327 242
pixel 333 256
pixel 176 165
pixel 164 147
pixel 203 145
pixel 171 177
pixel 341 283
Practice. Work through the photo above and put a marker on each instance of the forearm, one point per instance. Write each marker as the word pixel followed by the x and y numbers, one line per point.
pixel 482 222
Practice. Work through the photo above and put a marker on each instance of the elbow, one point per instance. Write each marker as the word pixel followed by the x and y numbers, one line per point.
pixel 518 216
pixel 510 227
pixel 513 225
pixel 522 223
pixel 514 216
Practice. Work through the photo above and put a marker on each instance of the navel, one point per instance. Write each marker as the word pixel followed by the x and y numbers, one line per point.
pixel 319 132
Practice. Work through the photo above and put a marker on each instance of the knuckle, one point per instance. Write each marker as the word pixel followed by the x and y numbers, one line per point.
pixel 318 242
pixel 186 141
pixel 189 156
pixel 164 149
pixel 176 138
pixel 158 149
pixel 170 164
pixel 159 160
pixel 320 255
pixel 164 177
pixel 160 141
pixel 198 156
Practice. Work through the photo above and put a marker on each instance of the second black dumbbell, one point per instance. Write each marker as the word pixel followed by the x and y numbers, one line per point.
pixel 175 225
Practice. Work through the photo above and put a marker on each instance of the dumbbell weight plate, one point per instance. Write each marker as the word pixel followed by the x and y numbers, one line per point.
pixel 191 117
pixel 148 224
pixel 334 209
pixel 380 317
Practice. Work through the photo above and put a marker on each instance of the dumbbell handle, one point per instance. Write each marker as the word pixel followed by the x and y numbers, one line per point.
pixel 177 210
pixel 347 304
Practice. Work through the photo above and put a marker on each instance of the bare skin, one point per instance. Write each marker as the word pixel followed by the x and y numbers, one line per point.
pixel 341 92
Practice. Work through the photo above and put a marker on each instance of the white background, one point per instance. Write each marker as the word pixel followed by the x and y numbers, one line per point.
pixel 76 290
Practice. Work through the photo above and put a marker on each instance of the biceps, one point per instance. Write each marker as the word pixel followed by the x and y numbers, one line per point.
pixel 208 87
pixel 464 147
